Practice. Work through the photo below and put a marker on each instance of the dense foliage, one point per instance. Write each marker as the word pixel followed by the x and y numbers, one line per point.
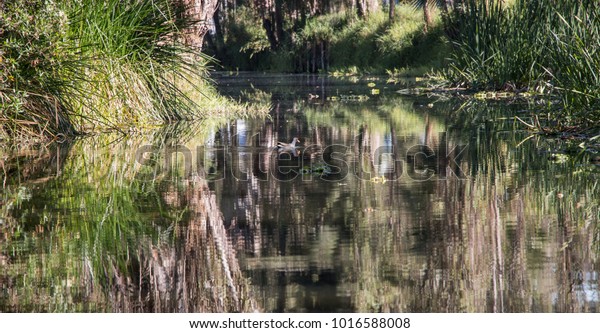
pixel 325 36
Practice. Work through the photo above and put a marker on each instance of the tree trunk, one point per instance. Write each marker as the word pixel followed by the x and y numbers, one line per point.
pixel 426 15
pixel 456 4
pixel 360 9
pixel 219 35
pixel 308 57
pixel 326 6
pixel 447 4
pixel 314 58
pixel 372 6
pixel 323 55
pixel 279 20
pixel 200 12
pixel 268 25
pixel 392 9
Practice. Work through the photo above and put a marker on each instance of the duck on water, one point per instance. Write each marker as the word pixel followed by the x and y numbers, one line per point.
pixel 289 148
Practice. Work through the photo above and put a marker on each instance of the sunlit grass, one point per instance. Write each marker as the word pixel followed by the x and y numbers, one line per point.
pixel 69 67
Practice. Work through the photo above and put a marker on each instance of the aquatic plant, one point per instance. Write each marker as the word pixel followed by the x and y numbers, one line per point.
pixel 540 46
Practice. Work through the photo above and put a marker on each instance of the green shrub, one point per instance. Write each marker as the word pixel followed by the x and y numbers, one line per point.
pixel 31 47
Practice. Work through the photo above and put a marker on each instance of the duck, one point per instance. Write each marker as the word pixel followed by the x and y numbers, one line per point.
pixel 283 147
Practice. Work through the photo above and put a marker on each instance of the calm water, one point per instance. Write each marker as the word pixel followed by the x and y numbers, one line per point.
pixel 389 203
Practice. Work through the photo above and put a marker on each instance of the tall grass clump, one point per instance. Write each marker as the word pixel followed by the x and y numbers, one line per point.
pixel 497 46
pixel 77 65
pixel 132 60
pixel 574 50
pixel 535 45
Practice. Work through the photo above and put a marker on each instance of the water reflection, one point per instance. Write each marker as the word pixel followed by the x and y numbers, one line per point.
pixel 388 204
pixel 102 234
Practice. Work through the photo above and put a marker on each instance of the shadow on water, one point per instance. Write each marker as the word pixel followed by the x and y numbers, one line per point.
pixel 387 204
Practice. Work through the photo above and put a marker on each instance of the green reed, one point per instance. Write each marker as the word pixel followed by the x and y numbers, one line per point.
pixel 539 45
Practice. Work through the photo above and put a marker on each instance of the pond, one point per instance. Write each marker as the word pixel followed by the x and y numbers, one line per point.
pixel 389 202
